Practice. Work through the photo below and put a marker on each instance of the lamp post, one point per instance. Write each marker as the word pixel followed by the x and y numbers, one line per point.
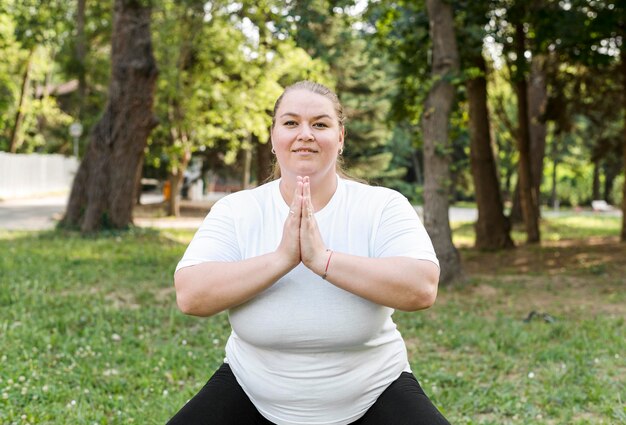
pixel 76 129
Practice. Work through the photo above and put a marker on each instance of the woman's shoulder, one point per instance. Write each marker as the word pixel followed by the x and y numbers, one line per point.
pixel 360 190
pixel 246 197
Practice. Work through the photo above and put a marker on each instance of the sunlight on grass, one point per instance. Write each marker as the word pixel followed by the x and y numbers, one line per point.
pixel 575 226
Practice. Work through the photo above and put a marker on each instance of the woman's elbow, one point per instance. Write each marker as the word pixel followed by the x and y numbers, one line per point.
pixel 421 299
pixel 425 293
pixel 183 300
pixel 186 300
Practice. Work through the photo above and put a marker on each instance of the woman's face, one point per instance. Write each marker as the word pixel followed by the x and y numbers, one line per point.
pixel 306 135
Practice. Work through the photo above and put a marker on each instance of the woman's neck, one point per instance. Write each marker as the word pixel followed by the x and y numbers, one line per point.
pixel 322 189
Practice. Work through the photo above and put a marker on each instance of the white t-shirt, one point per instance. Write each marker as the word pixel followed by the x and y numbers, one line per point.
pixel 303 350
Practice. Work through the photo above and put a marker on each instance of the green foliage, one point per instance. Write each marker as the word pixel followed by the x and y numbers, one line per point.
pixel 38 36
pixel 9 70
pixel 402 31
pixel 217 84
pixel 222 65
pixel 39 22
pixel 330 31
pixel 363 86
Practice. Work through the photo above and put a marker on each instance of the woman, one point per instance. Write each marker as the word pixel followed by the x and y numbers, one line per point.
pixel 310 268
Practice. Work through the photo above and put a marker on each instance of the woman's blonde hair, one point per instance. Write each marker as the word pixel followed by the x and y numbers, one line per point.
pixel 320 89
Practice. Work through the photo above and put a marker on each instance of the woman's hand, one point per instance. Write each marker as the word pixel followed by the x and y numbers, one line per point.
pixel 289 247
pixel 312 249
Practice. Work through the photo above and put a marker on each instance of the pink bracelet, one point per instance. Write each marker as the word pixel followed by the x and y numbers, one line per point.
pixel 327 263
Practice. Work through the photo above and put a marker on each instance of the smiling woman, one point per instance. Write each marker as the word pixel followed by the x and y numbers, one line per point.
pixel 307 136
pixel 310 267
pixel 324 95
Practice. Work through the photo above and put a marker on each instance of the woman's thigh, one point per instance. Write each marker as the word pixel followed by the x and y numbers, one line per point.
pixel 221 401
pixel 403 403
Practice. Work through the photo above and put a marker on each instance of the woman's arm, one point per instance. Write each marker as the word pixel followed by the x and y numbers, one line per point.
pixel 210 287
pixel 396 281
pixel 402 283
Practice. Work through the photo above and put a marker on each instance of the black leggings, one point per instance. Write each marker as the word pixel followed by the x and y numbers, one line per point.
pixel 222 401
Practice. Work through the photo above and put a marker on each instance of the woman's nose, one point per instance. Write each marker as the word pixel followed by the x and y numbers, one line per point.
pixel 306 133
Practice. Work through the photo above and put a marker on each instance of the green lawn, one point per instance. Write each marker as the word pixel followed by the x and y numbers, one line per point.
pixel 90 333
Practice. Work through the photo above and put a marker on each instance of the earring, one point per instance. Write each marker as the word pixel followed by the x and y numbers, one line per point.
pixel 340 151
pixel 273 151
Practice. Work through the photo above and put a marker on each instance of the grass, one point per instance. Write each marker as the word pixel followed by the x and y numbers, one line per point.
pixel 567 227
pixel 90 333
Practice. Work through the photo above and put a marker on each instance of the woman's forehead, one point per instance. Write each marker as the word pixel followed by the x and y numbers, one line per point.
pixel 304 101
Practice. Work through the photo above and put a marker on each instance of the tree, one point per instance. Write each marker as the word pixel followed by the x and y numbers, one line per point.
pixel 623 77
pixel 435 122
pixel 492 228
pixel 39 29
pixel 528 199
pixel 217 87
pixel 326 30
pixel 103 191
pixel 9 48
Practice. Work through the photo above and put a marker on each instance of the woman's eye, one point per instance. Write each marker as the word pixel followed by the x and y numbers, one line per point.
pixel 290 123
pixel 320 125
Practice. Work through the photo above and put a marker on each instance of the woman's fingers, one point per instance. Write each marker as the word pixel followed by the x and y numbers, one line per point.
pixel 295 209
pixel 307 203
pixel 311 243
pixel 290 242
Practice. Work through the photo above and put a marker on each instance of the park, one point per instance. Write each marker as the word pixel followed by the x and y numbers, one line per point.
pixel 512 110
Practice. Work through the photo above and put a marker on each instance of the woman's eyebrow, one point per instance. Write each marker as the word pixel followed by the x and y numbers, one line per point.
pixel 317 117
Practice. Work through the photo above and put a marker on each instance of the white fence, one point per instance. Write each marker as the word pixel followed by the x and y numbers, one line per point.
pixel 35 174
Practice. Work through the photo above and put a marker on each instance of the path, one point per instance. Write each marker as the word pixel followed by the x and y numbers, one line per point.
pixel 43 213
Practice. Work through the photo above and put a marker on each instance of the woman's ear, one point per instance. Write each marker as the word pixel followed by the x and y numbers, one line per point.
pixel 342 135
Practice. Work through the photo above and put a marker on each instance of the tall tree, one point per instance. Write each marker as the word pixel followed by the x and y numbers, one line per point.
pixel 103 191
pixel 492 227
pixel 537 101
pixel 326 30
pixel 435 122
pixel 528 200
pixel 623 75
pixel 14 140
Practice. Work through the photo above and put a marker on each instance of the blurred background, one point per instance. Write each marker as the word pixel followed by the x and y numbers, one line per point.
pixel 221 64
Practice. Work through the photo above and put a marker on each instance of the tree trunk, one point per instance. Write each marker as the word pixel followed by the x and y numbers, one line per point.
pixel 623 235
pixel 263 160
pixel 435 121
pixel 516 215
pixel 247 165
pixel 623 72
pixel 527 199
pixel 537 102
pixel 417 169
pixel 492 227
pixel 103 192
pixel 175 180
pixel 554 198
pixel 595 186
pixel 14 141
pixel 610 173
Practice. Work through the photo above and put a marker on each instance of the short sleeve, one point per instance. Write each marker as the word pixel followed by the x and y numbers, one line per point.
pixel 401 233
pixel 215 240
